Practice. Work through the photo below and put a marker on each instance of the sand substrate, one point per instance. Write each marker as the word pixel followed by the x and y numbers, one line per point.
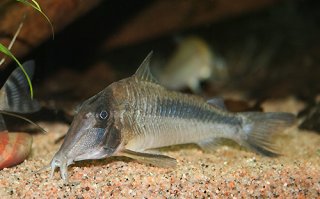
pixel 229 172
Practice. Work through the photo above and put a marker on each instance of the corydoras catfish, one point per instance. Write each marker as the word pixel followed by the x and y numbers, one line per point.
pixel 136 114
pixel 15 96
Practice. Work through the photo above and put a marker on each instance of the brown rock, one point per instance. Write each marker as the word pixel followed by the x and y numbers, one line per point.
pixel 14 148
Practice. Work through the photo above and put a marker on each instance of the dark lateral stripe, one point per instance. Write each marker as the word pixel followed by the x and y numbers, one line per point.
pixel 154 102
pixel 175 109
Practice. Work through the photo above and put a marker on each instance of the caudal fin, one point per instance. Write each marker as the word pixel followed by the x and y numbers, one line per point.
pixel 260 127
pixel 17 96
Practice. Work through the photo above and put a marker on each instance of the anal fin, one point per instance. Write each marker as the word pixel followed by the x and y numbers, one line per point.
pixel 149 158
pixel 212 144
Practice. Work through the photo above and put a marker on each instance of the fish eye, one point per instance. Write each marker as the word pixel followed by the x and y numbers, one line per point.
pixel 103 114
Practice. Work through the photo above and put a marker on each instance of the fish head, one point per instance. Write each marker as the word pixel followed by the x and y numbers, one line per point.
pixel 91 135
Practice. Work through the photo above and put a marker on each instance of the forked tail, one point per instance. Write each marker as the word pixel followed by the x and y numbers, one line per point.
pixel 259 127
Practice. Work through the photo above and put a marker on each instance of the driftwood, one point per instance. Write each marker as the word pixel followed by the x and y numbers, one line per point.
pixel 167 16
pixel 36 29
pixel 160 18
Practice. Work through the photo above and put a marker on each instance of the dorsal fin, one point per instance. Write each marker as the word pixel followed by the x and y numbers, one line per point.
pixel 17 97
pixel 143 73
pixel 217 102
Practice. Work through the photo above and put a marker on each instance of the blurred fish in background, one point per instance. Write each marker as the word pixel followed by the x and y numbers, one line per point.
pixel 191 63
pixel 15 96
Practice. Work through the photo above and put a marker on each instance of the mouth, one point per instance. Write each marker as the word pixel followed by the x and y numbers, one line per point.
pixel 61 163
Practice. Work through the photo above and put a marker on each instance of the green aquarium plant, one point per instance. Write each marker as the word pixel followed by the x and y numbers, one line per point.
pixel 35 5
pixel 7 52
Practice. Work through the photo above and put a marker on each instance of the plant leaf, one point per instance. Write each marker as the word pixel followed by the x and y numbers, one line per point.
pixel 7 52
pixel 34 4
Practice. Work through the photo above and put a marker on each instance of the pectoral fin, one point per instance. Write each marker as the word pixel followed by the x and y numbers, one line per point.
pixel 148 158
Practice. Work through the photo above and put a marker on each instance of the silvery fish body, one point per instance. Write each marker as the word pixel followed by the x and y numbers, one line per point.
pixel 136 114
